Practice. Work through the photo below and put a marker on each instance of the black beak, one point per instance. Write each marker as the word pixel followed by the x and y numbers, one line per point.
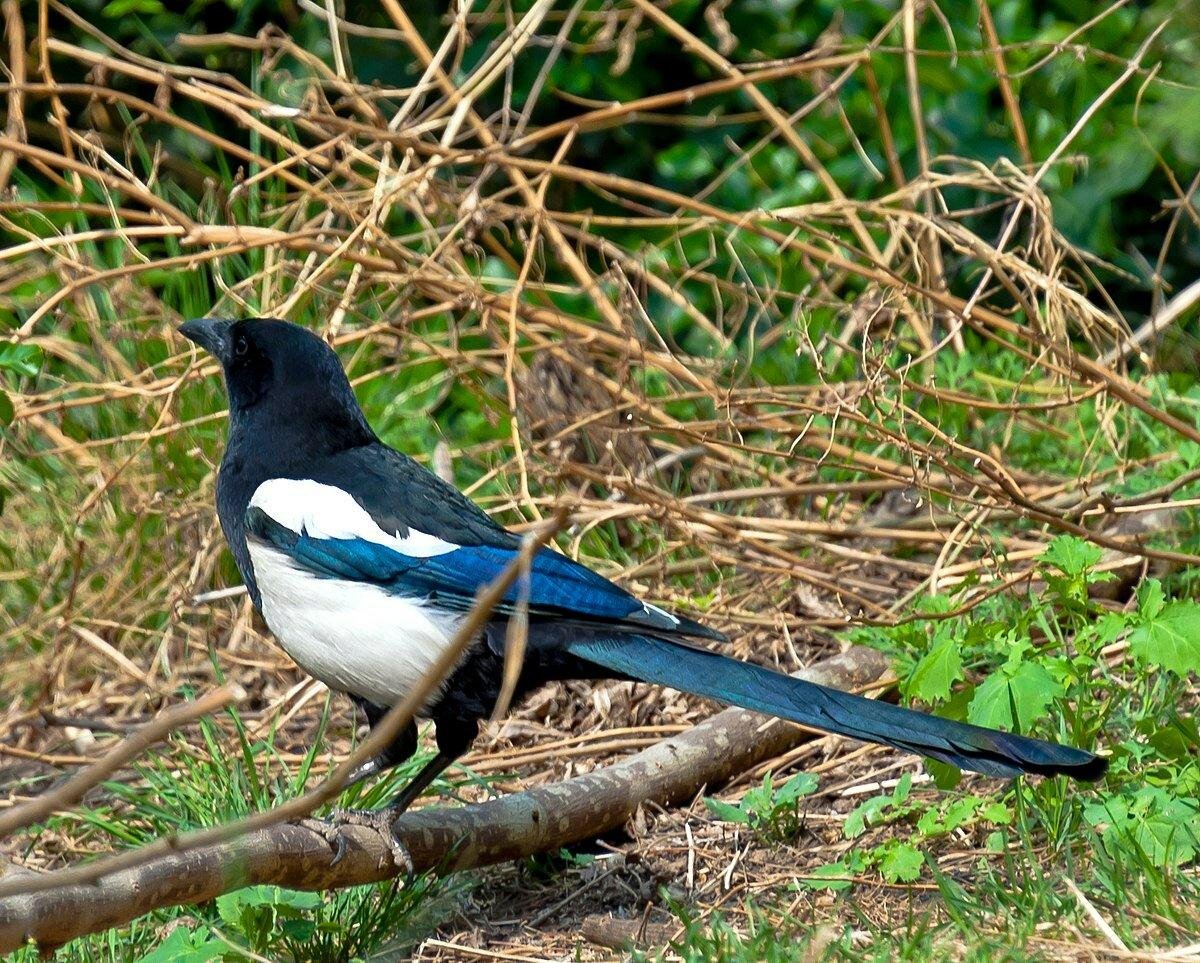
pixel 211 334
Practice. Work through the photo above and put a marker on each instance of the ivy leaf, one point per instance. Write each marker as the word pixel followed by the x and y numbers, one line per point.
pixel 937 670
pixel 1014 699
pixel 1170 638
pixel 1072 555
pixel 901 863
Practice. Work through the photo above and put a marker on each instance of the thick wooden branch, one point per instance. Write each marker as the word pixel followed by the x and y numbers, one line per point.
pixel 440 839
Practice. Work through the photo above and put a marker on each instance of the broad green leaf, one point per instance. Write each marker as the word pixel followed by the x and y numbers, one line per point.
pixel 901 863
pixel 725 811
pixel 937 670
pixel 945 776
pixel 997 812
pixel 1014 699
pixel 6 409
pixel 1072 555
pixel 21 359
pixel 1164 828
pixel 1151 599
pixel 801 784
pixel 866 814
pixel 1108 628
pixel 834 876
pixel 1171 639
pixel 959 812
pixel 187 946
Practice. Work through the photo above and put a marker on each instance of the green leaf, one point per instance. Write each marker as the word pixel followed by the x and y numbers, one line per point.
pixel 997 812
pixel 1072 555
pixel 686 160
pixel 937 670
pixel 1151 599
pixel 186 946
pixel 832 876
pixel 901 863
pixel 945 776
pixel 6 409
pixel 801 784
pixel 1014 699
pixel 1170 639
pixel 724 811
pixel 21 359
pixel 299 930
pixel 1189 454
pixel 123 8
pixel 1151 821
pixel 864 815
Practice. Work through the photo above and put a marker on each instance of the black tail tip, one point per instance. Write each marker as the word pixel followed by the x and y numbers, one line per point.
pixel 1091 770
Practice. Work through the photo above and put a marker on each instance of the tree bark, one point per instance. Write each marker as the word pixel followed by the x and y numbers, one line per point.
pixel 440 839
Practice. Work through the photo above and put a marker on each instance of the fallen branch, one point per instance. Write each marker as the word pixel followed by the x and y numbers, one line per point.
pixel 439 839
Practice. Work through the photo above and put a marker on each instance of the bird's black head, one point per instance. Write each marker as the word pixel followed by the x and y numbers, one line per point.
pixel 283 374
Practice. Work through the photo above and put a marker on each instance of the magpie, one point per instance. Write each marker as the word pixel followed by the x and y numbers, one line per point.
pixel 363 564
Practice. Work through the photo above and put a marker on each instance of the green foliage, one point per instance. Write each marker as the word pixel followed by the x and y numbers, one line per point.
pixel 1017 695
pixel 899 860
pixel 1035 665
pixel 289 925
pixel 187 786
pixel 768 809
pixel 1156 823
pixel 1166 635
pixel 16 360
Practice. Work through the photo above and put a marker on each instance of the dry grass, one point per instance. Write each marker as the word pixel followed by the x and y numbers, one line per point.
pixel 418 234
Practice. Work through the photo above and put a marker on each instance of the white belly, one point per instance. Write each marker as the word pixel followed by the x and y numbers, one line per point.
pixel 355 638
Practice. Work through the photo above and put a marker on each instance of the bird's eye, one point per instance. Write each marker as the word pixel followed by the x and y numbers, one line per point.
pixel 241 346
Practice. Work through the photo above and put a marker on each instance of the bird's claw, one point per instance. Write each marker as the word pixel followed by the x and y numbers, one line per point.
pixel 379 820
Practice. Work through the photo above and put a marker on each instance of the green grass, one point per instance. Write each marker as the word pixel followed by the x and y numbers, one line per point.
pixel 221 776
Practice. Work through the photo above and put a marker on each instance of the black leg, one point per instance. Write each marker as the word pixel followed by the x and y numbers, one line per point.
pixel 453 738
pixel 397 751
pixel 400 802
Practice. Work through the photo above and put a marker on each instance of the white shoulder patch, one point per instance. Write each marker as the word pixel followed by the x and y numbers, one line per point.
pixel 325 511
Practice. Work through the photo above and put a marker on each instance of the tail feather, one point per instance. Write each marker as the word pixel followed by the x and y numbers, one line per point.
pixel 698 671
